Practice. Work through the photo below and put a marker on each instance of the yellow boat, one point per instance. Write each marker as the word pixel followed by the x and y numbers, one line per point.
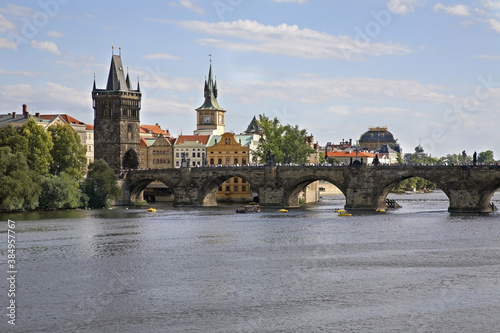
pixel 152 210
pixel 339 210
pixel 344 214
pixel 282 210
pixel 380 210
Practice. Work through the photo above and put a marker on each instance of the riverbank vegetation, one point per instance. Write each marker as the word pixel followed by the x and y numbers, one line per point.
pixel 46 170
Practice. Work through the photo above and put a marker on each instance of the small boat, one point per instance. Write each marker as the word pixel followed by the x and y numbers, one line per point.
pixel 248 209
pixel 282 210
pixel 152 210
pixel 344 214
pixel 380 210
pixel 339 210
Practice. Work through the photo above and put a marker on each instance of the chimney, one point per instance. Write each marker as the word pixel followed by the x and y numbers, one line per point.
pixel 25 111
pixel 13 115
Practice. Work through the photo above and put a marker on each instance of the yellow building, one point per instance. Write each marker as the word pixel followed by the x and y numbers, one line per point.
pixel 155 153
pixel 230 150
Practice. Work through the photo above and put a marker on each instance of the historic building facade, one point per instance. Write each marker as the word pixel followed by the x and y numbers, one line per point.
pixel 190 150
pixel 227 150
pixel 117 119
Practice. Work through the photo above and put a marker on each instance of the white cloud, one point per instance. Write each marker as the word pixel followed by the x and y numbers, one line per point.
pixel 158 56
pixel 46 46
pixel 494 24
pixel 55 34
pixel 289 40
pixel 192 6
pixel 402 7
pixel 6 43
pixel 457 10
pixel 487 56
pixel 6 24
pixel 20 73
pixel 491 4
pixel 17 10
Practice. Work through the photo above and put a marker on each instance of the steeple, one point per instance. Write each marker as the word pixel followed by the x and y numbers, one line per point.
pixel 116 77
pixel 210 93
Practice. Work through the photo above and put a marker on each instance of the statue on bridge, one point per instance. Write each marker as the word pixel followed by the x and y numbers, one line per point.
pixel 270 159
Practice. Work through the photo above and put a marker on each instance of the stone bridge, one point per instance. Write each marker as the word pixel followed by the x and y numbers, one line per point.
pixel 469 188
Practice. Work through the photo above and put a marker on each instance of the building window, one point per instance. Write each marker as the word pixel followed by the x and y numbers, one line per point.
pixel 212 161
pixel 244 161
pixel 228 188
pixel 220 188
pixel 235 161
pixel 235 180
pixel 228 161
pixel 243 188
pixel 219 161
pixel 236 189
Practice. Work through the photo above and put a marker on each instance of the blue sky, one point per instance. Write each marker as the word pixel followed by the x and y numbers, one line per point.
pixel 428 70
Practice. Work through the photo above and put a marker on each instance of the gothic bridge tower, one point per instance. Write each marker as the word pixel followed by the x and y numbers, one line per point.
pixel 116 119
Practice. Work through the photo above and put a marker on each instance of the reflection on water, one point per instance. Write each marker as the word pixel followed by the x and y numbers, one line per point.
pixel 415 269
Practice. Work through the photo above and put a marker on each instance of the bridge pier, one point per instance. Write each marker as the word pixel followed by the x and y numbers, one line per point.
pixel 363 199
pixel 468 201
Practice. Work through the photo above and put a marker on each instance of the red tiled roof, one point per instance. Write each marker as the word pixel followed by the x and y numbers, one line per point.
pixel 154 129
pixel 143 143
pixel 203 139
pixel 89 127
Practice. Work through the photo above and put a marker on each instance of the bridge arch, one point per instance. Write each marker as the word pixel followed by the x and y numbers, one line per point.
pixel 208 188
pixel 292 190
pixel 380 194
pixel 136 187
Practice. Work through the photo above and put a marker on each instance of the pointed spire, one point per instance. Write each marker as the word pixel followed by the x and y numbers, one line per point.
pixel 116 77
pixel 210 92
pixel 138 88
pixel 127 80
pixel 94 88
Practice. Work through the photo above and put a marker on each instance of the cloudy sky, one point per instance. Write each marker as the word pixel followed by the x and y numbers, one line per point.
pixel 428 70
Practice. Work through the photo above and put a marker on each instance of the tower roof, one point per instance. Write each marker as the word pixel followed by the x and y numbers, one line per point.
pixel 210 92
pixel 253 127
pixel 116 77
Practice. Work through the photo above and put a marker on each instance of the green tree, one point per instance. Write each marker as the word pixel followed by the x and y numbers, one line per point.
pixel 400 159
pixel 68 154
pixel 101 184
pixel 485 157
pixel 19 186
pixel 60 192
pixel 11 137
pixel 40 144
pixel 282 140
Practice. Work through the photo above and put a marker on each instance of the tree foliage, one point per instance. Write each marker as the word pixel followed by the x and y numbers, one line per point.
pixel 39 144
pixel 19 186
pixel 11 137
pixel 60 192
pixel 282 140
pixel 68 154
pixel 101 184
pixel 485 157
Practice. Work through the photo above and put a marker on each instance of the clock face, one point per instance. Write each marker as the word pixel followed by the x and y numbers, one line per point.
pixel 206 119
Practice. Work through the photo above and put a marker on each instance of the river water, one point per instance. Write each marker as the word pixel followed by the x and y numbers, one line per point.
pixel 415 269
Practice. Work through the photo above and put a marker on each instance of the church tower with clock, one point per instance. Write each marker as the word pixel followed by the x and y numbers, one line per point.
pixel 210 116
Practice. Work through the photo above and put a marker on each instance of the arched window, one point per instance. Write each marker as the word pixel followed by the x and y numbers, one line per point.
pixel 228 161
pixel 235 161
pixel 244 161
pixel 211 161
pixel 219 161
